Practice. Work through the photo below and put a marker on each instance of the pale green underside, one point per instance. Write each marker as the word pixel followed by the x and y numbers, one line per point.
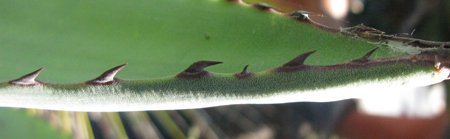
pixel 215 90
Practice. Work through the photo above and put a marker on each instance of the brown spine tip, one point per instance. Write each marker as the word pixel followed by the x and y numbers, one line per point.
pixel 366 57
pixel 107 77
pixel 244 73
pixel 299 60
pixel 196 69
pixel 263 6
pixel 27 80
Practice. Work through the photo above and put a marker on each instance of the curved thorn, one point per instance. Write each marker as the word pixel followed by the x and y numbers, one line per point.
pixel 244 71
pixel 107 76
pixel 366 57
pixel 200 65
pixel 368 54
pixel 263 6
pixel 299 60
pixel 244 74
pixel 28 79
pixel 196 70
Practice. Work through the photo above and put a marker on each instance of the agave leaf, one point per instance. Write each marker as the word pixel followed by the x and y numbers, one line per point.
pixel 77 40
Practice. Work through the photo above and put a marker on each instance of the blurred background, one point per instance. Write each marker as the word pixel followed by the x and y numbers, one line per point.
pixel 401 113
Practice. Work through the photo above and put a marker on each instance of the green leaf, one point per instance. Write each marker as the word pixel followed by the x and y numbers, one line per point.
pixel 78 40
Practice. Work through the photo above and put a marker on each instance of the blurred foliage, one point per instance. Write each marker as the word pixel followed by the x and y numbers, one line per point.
pixel 15 123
